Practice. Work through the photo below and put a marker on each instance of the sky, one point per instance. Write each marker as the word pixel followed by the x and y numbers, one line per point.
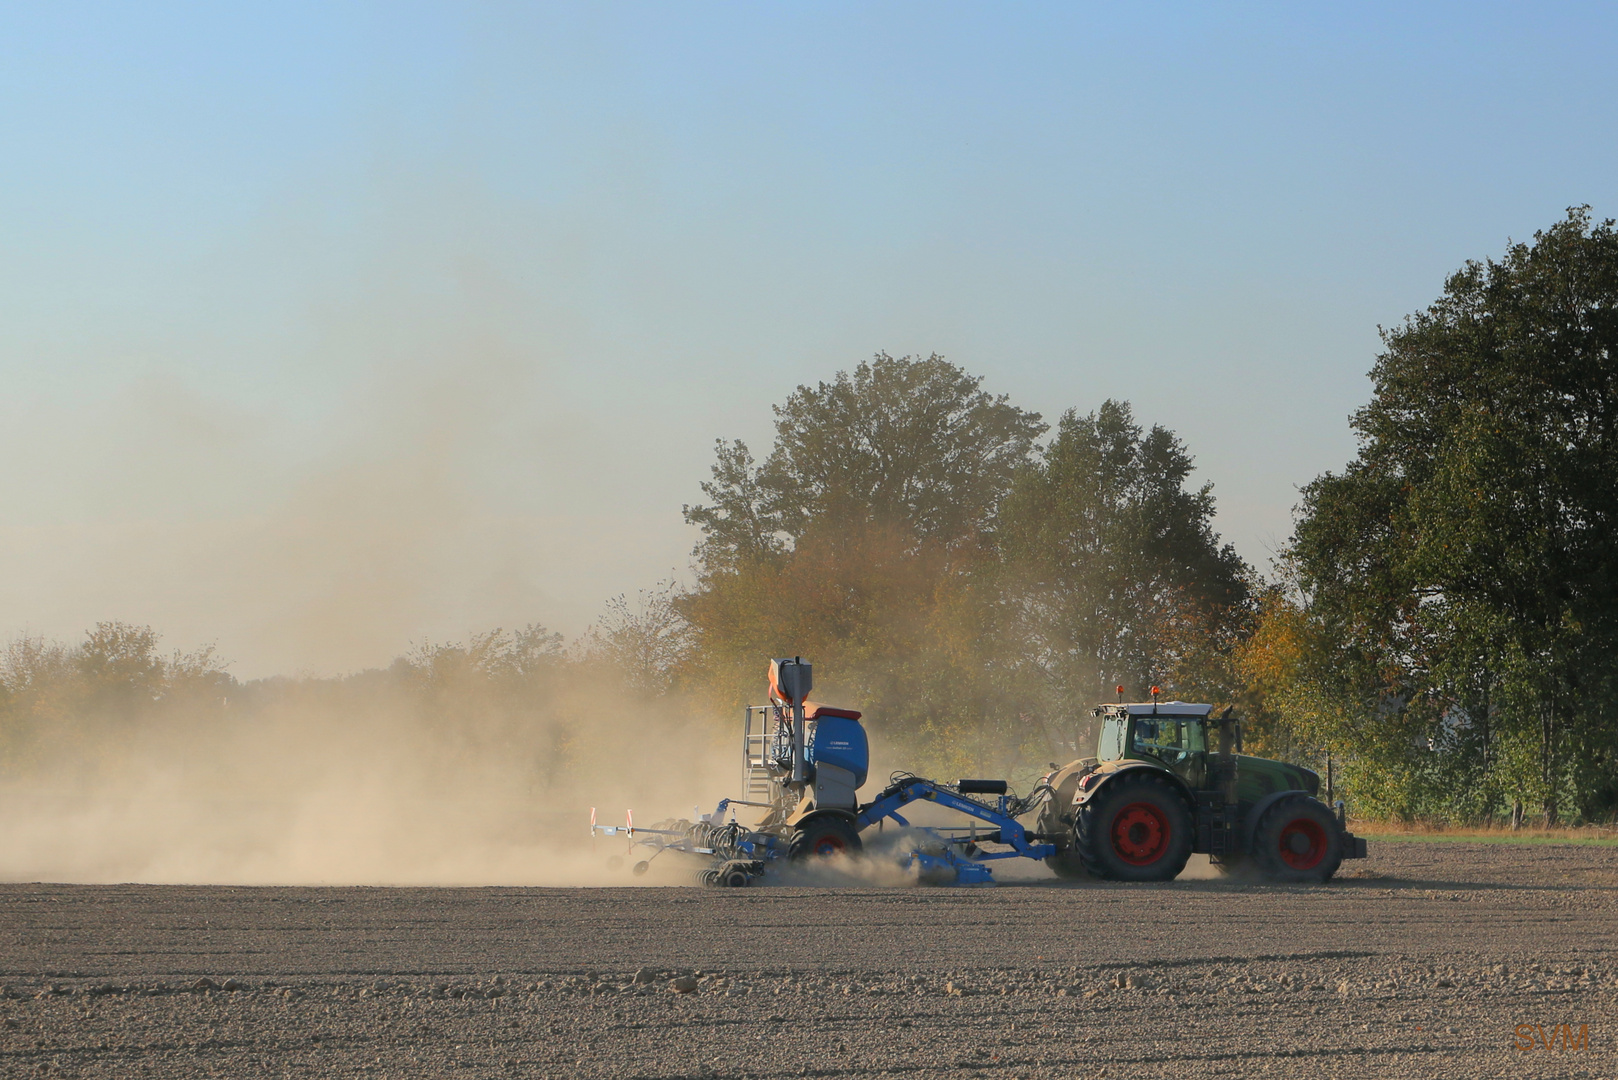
pixel 330 329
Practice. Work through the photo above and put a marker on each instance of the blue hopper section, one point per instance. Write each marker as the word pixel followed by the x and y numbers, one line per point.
pixel 841 741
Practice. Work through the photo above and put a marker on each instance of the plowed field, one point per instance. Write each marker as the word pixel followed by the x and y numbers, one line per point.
pixel 1425 960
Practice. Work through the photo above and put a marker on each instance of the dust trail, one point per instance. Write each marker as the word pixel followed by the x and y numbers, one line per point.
pixel 1198 868
pixel 446 768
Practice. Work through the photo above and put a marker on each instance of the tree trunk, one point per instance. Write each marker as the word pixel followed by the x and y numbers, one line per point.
pixel 1548 762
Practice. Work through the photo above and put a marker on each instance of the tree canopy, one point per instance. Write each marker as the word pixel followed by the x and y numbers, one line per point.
pixel 951 576
pixel 905 443
pixel 1116 559
pixel 1463 568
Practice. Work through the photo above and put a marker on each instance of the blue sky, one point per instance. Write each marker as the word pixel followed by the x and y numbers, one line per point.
pixel 326 329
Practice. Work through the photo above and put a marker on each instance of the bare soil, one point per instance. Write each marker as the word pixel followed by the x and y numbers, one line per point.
pixel 1421 961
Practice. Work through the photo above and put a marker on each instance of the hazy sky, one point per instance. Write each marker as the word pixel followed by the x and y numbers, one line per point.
pixel 328 328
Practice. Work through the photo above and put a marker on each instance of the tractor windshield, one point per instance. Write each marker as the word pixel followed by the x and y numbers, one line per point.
pixel 1168 739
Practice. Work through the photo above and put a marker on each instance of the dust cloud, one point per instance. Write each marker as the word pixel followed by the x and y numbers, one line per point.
pixel 346 443
pixel 395 452
pixel 406 776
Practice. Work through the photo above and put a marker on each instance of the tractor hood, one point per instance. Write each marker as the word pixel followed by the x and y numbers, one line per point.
pixel 1256 777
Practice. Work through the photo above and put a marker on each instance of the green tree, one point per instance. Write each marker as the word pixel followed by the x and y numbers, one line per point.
pixel 974 596
pixel 1463 568
pixel 859 541
pixel 909 443
pixel 740 527
pixel 1115 564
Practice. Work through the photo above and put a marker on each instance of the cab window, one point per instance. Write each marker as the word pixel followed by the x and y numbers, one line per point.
pixel 1168 739
pixel 1110 747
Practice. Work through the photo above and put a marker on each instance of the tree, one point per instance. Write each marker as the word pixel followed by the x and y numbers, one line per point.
pixel 1115 562
pixel 645 643
pixel 860 541
pixel 740 527
pixel 1465 566
pixel 907 443
pixel 973 596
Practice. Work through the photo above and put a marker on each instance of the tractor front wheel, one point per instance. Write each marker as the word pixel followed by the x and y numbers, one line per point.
pixel 821 837
pixel 1134 829
pixel 1297 841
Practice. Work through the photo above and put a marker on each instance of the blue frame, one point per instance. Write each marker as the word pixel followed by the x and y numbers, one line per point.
pixel 1011 831
pixel 965 868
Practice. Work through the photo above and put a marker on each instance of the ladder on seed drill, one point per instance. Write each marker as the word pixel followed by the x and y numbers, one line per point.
pixel 766 740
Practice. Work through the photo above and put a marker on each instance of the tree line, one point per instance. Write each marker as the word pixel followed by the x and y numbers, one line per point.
pixel 1440 625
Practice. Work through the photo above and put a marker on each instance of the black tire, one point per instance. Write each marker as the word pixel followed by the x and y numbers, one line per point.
pixel 1297 840
pixel 1137 828
pixel 735 874
pixel 824 836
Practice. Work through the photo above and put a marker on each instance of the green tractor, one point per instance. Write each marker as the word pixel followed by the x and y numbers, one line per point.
pixel 1169 779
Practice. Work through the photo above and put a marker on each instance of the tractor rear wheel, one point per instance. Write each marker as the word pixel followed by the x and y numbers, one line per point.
pixel 1135 829
pixel 823 836
pixel 1297 841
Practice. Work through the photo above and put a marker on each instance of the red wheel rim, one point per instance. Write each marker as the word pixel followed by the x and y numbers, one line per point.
pixel 1140 834
pixel 830 845
pixel 1302 843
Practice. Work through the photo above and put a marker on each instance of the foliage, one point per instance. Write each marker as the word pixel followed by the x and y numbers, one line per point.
pixel 903 443
pixel 968 593
pixel 740 528
pixel 507 710
pixel 1462 572
pixel 1114 564
pixel 89 699
pixel 645 645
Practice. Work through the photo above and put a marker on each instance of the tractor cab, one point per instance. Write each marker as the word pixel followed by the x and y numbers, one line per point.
pixel 1171 733
pixel 1177 742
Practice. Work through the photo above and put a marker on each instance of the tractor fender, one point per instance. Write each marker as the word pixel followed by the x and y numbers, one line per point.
pixel 1250 822
pixel 1106 773
pixel 810 810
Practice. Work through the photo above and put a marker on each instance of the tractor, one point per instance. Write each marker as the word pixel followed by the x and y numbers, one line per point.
pixel 1167 779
